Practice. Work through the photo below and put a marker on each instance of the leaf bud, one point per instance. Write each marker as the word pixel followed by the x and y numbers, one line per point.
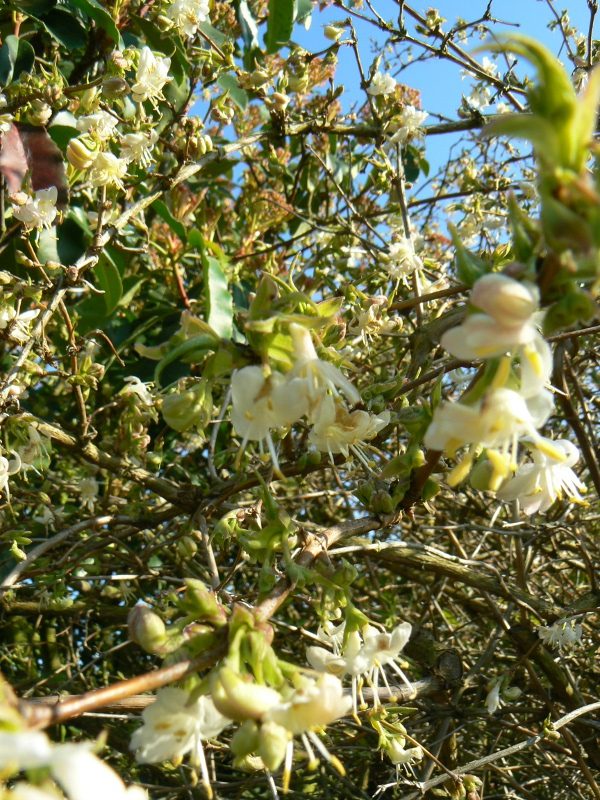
pixel 146 628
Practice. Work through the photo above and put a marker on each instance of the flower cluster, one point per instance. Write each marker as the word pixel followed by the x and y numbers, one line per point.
pixel 514 404
pixel 362 654
pixel 263 400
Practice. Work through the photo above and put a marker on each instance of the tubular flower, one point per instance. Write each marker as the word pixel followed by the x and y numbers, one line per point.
pixel 564 634
pixel 137 147
pixel 537 486
pixel 186 15
pixel 107 170
pixel 38 211
pixel 337 430
pixel 319 376
pixel 151 76
pixel 381 83
pixel 495 424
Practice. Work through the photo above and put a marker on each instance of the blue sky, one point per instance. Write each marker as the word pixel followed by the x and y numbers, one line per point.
pixel 439 82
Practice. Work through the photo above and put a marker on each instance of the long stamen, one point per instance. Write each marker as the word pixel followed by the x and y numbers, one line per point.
pixel 287 766
pixel 407 683
pixel 333 760
pixel 313 761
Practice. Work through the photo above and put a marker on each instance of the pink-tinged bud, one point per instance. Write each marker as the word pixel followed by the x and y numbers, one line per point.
pixel 509 302
pixel 80 156
pixel 241 699
pixel 147 629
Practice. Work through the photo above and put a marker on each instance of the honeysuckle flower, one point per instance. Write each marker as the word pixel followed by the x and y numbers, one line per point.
pixel 135 387
pixel 538 485
pixel 406 125
pixel 381 84
pixel 495 423
pixel 563 634
pixel 240 698
pixel 174 725
pixel 107 170
pixel 88 492
pixel 479 98
pixel 186 15
pixel 38 211
pixel 319 376
pixel 138 146
pixel 8 468
pixel 100 123
pixel 337 429
pixel 33 450
pixel 401 260
pixel 261 403
pixel 399 754
pixel 492 700
pixel 151 76
pixel 80 773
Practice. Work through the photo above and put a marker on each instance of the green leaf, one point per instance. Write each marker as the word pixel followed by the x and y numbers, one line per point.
pixel 212 33
pixel 101 17
pixel 64 27
pixel 248 26
pixel 109 280
pixel 279 24
pixel 34 8
pixel 176 225
pixel 16 56
pixel 219 304
pixel 190 351
pixel 229 82
pixel 304 9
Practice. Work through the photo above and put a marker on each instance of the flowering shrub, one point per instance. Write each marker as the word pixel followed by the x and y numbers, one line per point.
pixel 298 456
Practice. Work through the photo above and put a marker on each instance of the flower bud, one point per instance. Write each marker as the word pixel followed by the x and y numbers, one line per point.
pixel 279 100
pixel 146 629
pixel 506 300
pixel 203 603
pixel 114 87
pixel 78 155
pixel 246 739
pixel 240 699
pixel 189 408
pixel 39 112
pixel 333 32
pixel 272 745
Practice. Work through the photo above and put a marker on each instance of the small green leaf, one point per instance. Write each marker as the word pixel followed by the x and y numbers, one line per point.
pixel 229 83
pixel 219 304
pixel 248 25
pixel 16 56
pixel 164 213
pixel 279 24
pixel 109 280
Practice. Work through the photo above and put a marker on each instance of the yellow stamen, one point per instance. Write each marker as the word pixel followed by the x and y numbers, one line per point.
pixel 500 469
pixel 502 373
pixel 532 355
pixel 461 470
pixel 546 447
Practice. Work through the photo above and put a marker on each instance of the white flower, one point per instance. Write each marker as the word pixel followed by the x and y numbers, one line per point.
pixel 38 211
pixel 81 774
pixel 401 755
pixel 186 15
pixel 33 450
pixel 493 701
pixel 479 98
pixel 88 492
pixel 261 403
pixel 407 124
pixel 314 704
pixel 138 147
pixel 338 429
pixel 6 120
pixel 151 76
pixel 24 791
pixel 8 468
pixel 537 486
pixel 134 386
pixel 107 170
pixel 381 83
pixel 175 725
pixel 495 423
pixel 319 376
pixel 401 259
pixel 563 634
pixel 100 122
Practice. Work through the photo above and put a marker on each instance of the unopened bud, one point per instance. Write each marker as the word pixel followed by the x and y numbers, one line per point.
pixel 39 112
pixel 273 744
pixel 203 603
pixel 333 32
pixel 241 699
pixel 279 100
pixel 246 739
pixel 114 87
pixel 80 156
pixel 146 628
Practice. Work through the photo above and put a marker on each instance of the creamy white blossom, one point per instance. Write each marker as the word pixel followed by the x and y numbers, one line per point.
pixel 38 211
pixel 151 76
pixel 337 429
pixel 88 492
pixel 138 147
pixel 401 260
pixel 407 124
pixel 107 170
pixel 16 324
pixel 381 83
pixel 539 484
pixel 563 634
pixel 100 123
pixel 492 700
pixel 186 15
pixel 140 391
pixel 314 704
pixel 174 725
